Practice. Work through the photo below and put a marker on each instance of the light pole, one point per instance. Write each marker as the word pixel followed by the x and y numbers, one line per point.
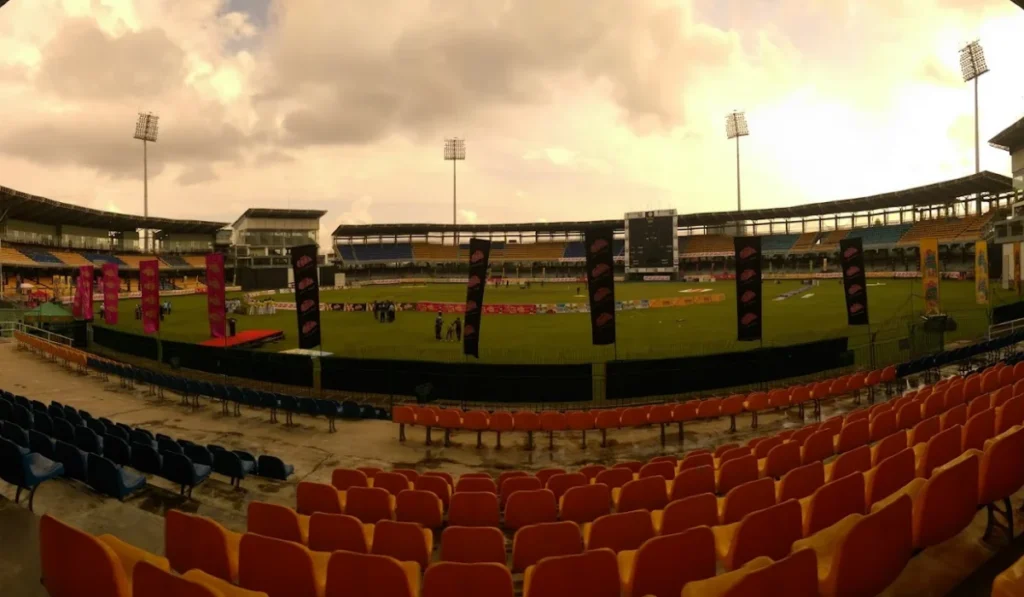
pixel 455 151
pixel 972 65
pixel 146 130
pixel 736 127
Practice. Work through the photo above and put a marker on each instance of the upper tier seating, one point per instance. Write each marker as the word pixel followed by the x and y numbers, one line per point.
pixel 12 256
pixel 880 235
pixel 40 255
pixel 195 260
pixel 71 258
pixel 975 225
pixel 174 260
pixel 132 261
pixel 805 241
pixel 391 252
pixel 103 258
pixel 941 228
pixel 832 237
pixel 708 243
pixel 530 252
pixel 779 242
pixel 426 252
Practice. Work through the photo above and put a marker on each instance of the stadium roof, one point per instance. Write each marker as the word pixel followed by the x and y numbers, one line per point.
pixel 287 214
pixel 1019 3
pixel 30 208
pixel 1012 137
pixel 933 194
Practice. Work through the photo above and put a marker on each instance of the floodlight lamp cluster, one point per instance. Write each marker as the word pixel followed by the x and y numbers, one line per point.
pixel 736 125
pixel 147 126
pixel 972 61
pixel 454 149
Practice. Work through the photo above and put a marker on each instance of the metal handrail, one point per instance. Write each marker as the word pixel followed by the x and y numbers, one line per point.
pixel 7 329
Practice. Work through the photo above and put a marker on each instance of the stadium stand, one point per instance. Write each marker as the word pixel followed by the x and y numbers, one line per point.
pixel 975 226
pixel 832 237
pixel 71 258
pixel 420 251
pixel 132 261
pixel 805 241
pixel 879 235
pixel 532 252
pixel 574 250
pixel 779 242
pixel 40 255
pixel 12 256
pixel 699 244
pixel 197 261
pixel 175 261
pixel 943 229
pixel 101 258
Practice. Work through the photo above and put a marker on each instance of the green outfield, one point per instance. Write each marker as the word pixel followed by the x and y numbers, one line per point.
pixel 816 313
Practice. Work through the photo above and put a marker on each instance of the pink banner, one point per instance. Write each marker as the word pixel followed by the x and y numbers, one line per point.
pixel 76 302
pixel 85 274
pixel 111 288
pixel 149 275
pixel 215 294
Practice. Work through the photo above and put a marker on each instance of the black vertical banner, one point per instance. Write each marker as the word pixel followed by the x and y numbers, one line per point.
pixel 748 287
pixel 307 295
pixel 479 254
pixel 601 285
pixel 855 283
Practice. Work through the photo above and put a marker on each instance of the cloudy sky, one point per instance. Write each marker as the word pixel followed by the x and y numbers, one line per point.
pixel 572 109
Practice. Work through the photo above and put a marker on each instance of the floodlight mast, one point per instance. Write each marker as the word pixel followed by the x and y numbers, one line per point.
pixel 146 129
pixel 736 127
pixel 455 151
pixel 972 66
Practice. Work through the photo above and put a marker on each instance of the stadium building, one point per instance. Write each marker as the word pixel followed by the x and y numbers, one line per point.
pixel 260 239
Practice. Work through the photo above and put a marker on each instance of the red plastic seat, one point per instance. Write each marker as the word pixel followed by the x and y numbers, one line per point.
pixel 535 542
pixel 585 503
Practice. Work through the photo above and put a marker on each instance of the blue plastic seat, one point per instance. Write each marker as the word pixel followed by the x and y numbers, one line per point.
pixel 88 440
pixel 112 480
pixel 271 402
pixel 165 444
pixel 107 423
pixel 119 432
pixel 6 410
pixel 118 450
pixel 23 416
pixel 367 411
pixel 15 433
pixel 145 458
pixel 38 406
pixel 85 415
pixel 272 467
pixel 26 471
pixel 44 444
pixel 307 406
pixel 43 423
pixel 57 404
pixel 289 405
pixel 73 416
pixel 350 410
pixel 180 469
pixel 199 454
pixel 23 401
pixel 98 427
pixel 73 459
pixel 330 409
pixel 235 465
pixel 55 411
pixel 63 430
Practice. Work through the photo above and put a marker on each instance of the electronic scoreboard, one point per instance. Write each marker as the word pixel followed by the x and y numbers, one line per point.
pixel 652 246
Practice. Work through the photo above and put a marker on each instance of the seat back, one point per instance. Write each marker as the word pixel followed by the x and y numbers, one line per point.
pixel 924 431
pixel 693 481
pixel 889 446
pixel 278 568
pixel 695 459
pixel 435 485
pixel 471 484
pixel 1002 467
pixel 73 459
pixel 357 574
pixel 853 435
pixel 104 476
pixel 560 483
pixel 393 483
pixel 687 513
pixel 343 478
pixel 796 575
pixel 648 493
pixel 449 579
pixel 835 501
pixel 524 483
pixel 769 532
pixel 801 482
pixel 150 581
pixel 404 541
pixel 625 530
pixel 857 460
pixel 889 475
pixel 979 428
pixel 947 502
pixel 585 503
pixel 939 450
pixel 368 504
pixel 594 573
pixel 473 544
pixel 331 532
pixel 614 477
pixel 882 425
pixel 665 470
pixel 537 541
pixel 781 459
pixel 72 559
pixel 747 498
pixel 874 552
pixel 474 509
pixel 908 415
pixel 192 541
pixel 532 507
pixel 736 472
pixel 658 569
pixel 422 507
pixel 818 446
pixel 317 497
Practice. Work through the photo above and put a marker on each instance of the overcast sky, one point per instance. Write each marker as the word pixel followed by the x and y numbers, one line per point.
pixel 571 109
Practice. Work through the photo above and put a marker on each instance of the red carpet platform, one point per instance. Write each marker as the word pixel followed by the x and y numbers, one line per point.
pixel 246 339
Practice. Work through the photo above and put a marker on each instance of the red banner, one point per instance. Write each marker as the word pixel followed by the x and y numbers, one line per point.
pixel 85 295
pixel 149 274
pixel 76 302
pixel 111 288
pixel 215 294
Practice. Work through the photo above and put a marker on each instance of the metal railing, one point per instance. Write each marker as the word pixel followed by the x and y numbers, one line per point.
pixel 1007 327
pixel 7 329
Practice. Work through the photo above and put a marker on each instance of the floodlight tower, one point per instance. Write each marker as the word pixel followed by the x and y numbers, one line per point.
pixel 972 65
pixel 736 127
pixel 454 151
pixel 146 130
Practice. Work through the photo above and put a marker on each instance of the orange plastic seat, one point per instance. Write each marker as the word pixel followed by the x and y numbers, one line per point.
pixel 192 541
pixel 924 431
pixel 818 446
pixel 318 497
pixel 281 568
pixel 531 507
pixel 908 415
pixel 223 587
pixel 862 555
pixel 624 530
pixel 954 416
pixel 780 460
pixel 475 420
pixel 833 502
pixel 534 542
pixel 605 420
pixel 513 484
pixel 435 485
pixel 151 581
pixel 591 471
pixel 693 481
pixel 665 470
pixel 709 409
pixel 888 476
pixel 687 513
pixel 693 460
pixel 475 484
pixel 736 472
pixel 800 482
pixel 796 575
pixel 527 421
pixel 393 483
pixel 452 579
pixel 578 420
pixel 977 405
pixel 632 466
pixel 474 509
pixel 410 474
pixel 854 461
pixel 370 504
pixel 281 522
pixel 656 568
pixel 979 429
pixel 501 422
pixel 746 498
pixel 769 532
pixel 1000 396
pixel 559 484
pixel 765 445
pixel 954 396
pixel 1011 413
pixel 720 450
pixel 648 493
pixel 592 573
pixel 421 507
pixel 852 436
pixel 343 478
pixel 933 405
pixel 404 541
pixel 357 575
pixel 72 559
pixel 800 435
pixel 471 545
pixel 614 477
pixel 586 503
pixel 331 532
pixel 633 417
pixel 552 421
pixel 755 403
pixel 665 458
pixel 939 450
pixel 1001 473
pixel 889 446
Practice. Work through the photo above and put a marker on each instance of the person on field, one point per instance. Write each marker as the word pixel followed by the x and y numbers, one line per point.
pixel 438 324
pixel 458 330
pixel 391 312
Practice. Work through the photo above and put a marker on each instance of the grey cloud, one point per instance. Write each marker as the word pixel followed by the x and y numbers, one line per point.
pixel 441 66
pixel 197 174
